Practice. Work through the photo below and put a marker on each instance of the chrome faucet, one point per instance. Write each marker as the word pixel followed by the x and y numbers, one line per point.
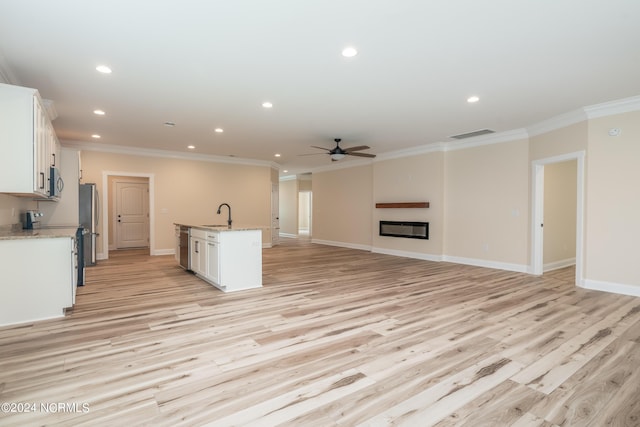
pixel 228 207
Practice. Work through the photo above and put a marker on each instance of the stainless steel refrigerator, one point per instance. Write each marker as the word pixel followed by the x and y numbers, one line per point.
pixel 89 214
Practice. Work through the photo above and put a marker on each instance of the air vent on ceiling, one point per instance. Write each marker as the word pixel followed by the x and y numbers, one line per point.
pixel 472 134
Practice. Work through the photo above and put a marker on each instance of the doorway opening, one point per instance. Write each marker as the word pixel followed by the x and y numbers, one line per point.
pixel 563 211
pixel 127 207
pixel 304 213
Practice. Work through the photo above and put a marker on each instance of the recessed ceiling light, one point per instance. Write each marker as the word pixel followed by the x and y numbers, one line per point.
pixel 267 104
pixel 218 130
pixel 277 155
pixel 472 99
pixel 191 147
pixel 95 136
pixel 169 124
pixel 99 112
pixel 285 171
pixel 103 69
pixel 349 52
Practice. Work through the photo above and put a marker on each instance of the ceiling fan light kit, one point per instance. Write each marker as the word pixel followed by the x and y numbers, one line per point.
pixel 338 153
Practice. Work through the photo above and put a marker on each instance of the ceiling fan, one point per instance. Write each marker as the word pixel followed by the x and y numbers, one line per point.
pixel 338 152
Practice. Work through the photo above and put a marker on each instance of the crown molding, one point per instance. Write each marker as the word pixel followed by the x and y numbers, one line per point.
pixel 413 151
pixel 135 151
pixel 589 112
pixel 557 122
pixel 494 138
pixel 611 108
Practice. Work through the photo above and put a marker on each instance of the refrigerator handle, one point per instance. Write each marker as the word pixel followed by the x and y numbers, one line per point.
pixel 97 208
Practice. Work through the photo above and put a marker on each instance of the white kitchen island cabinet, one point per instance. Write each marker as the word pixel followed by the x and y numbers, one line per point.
pixel 232 258
pixel 38 278
pixel 198 251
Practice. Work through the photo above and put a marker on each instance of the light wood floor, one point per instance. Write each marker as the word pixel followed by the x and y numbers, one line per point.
pixel 336 337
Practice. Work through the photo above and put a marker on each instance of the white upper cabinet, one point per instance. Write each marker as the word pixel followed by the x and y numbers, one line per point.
pixel 29 147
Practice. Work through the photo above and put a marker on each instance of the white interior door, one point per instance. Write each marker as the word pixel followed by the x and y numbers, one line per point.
pixel 132 214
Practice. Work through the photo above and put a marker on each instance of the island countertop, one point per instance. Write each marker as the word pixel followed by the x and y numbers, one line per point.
pixel 218 227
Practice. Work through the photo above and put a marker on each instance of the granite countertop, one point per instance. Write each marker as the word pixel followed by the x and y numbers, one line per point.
pixel 220 227
pixel 38 233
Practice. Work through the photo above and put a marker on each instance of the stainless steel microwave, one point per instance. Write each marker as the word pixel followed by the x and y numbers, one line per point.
pixel 56 184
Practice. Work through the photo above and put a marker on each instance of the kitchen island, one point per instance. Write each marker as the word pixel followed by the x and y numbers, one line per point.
pixel 228 258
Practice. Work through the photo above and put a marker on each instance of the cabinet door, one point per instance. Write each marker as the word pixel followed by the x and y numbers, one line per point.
pixel 198 256
pixel 41 147
pixel 54 148
pixel 194 259
pixel 202 254
pixel 213 262
pixel 177 244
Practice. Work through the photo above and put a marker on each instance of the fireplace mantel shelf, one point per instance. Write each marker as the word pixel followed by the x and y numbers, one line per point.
pixel 403 205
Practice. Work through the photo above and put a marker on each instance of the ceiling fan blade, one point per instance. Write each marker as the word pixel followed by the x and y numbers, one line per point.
pixel 312 154
pixel 358 148
pixel 321 148
pixel 361 154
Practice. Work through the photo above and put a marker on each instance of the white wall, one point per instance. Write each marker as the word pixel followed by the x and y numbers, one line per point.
pixel 487 205
pixel 613 204
pixel 342 205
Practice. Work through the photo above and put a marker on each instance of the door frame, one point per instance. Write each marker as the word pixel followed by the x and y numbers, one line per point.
pixel 537 211
pixel 114 205
pixel 105 209
pixel 275 210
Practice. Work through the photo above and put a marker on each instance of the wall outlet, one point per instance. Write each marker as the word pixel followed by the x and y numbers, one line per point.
pixel 485 247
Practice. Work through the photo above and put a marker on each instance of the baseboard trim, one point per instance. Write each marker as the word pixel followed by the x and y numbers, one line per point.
pixel 163 252
pixel 556 265
pixel 407 254
pixel 518 268
pixel 616 288
pixel 342 244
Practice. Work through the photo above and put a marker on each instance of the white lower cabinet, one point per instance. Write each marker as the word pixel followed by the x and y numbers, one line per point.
pixel 198 251
pixel 213 260
pixel 231 260
pixel 38 278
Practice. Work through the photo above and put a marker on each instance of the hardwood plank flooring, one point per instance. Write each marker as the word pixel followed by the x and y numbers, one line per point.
pixel 336 337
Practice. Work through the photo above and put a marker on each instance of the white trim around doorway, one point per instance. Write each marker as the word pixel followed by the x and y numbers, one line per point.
pixel 105 210
pixel 537 212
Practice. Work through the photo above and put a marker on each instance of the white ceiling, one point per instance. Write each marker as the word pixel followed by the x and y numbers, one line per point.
pixel 208 63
